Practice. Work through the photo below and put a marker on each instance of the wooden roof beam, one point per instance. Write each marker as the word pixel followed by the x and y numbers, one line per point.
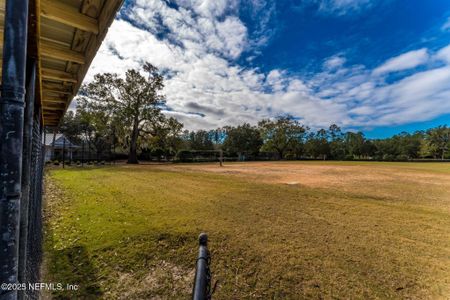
pixel 57 87
pixel 57 91
pixel 55 51
pixel 49 88
pixel 66 14
pixel 51 115
pixel 54 100
pixel 58 75
pixel 53 108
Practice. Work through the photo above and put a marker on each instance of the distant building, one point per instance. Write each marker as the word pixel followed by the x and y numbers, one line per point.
pixel 55 152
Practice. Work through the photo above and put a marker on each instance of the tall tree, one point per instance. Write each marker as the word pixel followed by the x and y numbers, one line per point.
pixel 200 140
pixel 166 139
pixel 243 139
pixel 337 147
pixel 354 143
pixel 133 101
pixel 70 127
pixel 439 139
pixel 281 134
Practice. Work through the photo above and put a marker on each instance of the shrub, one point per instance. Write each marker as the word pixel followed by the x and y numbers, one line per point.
pixel 402 157
pixel 389 157
pixel 184 156
pixel 289 156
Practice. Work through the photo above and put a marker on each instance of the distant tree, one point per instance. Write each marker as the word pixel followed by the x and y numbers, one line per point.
pixel 337 147
pixel 71 126
pixel 281 135
pixel 407 145
pixel 438 140
pixel 322 144
pixel 311 149
pixel 200 140
pixel 427 150
pixel 217 136
pixel 368 149
pixel 86 125
pixel 243 139
pixel 95 127
pixel 134 102
pixel 165 138
pixel 317 144
pixel 354 143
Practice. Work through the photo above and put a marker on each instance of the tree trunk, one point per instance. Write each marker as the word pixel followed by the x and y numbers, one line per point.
pixel 280 154
pixel 132 155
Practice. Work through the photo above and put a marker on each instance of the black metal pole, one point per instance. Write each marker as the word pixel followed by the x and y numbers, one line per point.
pixel 114 147
pixel 82 153
pixel 52 155
pixel 202 280
pixel 11 138
pixel 64 151
pixel 26 167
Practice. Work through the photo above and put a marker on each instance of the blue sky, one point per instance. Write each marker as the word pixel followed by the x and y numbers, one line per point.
pixel 377 66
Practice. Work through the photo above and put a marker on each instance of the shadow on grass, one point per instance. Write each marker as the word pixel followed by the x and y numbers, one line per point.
pixel 72 266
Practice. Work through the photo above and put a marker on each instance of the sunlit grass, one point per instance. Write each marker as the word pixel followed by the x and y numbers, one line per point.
pixel 130 232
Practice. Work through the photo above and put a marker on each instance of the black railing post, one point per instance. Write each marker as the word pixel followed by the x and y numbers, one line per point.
pixel 11 138
pixel 202 281
pixel 53 145
pixel 64 151
pixel 114 149
pixel 82 153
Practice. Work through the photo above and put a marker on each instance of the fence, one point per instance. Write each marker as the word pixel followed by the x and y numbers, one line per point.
pixel 33 240
pixel 21 160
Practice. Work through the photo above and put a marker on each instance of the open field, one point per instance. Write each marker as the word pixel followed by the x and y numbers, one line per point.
pixel 281 230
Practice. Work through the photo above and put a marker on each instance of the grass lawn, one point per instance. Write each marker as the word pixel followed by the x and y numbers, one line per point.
pixel 281 230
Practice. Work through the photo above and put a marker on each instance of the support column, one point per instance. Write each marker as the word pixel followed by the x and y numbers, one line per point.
pixel 11 137
pixel 26 167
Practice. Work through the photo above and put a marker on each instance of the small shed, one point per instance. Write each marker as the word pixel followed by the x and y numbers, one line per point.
pixel 62 147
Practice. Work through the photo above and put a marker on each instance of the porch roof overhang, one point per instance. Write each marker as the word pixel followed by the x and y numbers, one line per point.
pixel 63 36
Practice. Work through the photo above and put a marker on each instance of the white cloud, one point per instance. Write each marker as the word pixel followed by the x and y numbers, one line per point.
pixel 207 88
pixel 343 7
pixel 337 8
pixel 444 54
pixel 233 35
pixel 446 25
pixel 334 62
pixel 209 8
pixel 404 61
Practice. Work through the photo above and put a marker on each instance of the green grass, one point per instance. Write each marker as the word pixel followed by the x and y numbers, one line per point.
pixel 130 232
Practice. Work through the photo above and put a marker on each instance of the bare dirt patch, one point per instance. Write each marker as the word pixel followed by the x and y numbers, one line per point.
pixel 388 181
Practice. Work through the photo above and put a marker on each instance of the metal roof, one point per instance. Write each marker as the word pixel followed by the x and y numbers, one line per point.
pixel 64 36
pixel 60 141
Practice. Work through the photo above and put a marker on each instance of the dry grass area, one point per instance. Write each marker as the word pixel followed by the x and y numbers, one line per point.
pixel 280 230
pixel 381 179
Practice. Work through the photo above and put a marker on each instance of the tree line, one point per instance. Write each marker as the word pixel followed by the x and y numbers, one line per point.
pixel 288 139
pixel 125 114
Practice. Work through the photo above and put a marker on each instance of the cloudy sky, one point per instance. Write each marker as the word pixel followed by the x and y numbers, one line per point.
pixel 381 66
